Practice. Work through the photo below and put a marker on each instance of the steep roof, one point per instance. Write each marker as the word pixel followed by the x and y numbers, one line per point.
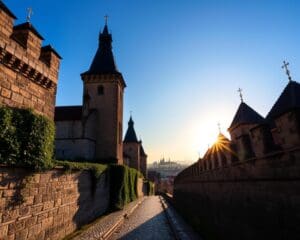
pixel 30 27
pixel 6 9
pixel 68 113
pixel 287 101
pixel 246 114
pixel 130 136
pixel 103 61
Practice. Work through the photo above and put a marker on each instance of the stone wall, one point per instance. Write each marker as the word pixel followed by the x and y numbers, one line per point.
pixel 254 199
pixel 49 205
pixel 28 71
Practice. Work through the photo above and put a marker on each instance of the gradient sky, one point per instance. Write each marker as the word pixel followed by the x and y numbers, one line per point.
pixel 182 60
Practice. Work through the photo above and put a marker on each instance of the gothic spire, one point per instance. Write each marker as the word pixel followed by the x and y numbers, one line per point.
pixel 130 136
pixel 104 62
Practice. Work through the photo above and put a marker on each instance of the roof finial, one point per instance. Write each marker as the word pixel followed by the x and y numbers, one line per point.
pixel 106 19
pixel 29 14
pixel 219 127
pixel 241 94
pixel 287 71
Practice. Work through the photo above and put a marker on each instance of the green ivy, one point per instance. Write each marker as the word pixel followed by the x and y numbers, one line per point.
pixel 26 139
pixel 123 185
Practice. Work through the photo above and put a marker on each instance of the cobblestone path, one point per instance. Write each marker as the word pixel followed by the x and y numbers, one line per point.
pixel 148 221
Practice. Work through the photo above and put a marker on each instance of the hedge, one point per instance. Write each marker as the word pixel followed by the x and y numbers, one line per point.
pixel 123 185
pixel 26 139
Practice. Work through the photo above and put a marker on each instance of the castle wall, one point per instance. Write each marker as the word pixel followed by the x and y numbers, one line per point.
pixel 254 199
pixel 28 72
pixel 49 205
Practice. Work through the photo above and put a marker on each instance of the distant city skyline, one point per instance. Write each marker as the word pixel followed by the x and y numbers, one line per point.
pixel 183 61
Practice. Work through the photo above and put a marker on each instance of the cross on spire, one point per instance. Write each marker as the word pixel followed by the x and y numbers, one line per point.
pixel 241 94
pixel 106 19
pixel 29 14
pixel 287 71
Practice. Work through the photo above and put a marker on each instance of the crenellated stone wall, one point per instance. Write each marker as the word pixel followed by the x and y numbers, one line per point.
pixel 49 205
pixel 254 199
pixel 28 71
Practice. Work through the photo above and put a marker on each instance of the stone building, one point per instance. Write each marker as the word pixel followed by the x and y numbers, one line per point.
pixel 94 129
pixel 134 153
pixel 28 71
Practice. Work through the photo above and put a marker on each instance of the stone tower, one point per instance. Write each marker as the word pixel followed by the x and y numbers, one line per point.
pixel 132 146
pixel 103 93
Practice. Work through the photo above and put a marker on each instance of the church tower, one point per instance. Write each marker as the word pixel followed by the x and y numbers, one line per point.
pixel 103 93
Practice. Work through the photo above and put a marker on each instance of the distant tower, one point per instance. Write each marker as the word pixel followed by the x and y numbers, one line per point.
pixel 132 146
pixel 103 92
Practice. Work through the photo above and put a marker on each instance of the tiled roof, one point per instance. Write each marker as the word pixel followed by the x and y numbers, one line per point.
pixel 28 26
pixel 68 113
pixel 130 136
pixel 288 100
pixel 246 114
pixel 103 61
pixel 5 9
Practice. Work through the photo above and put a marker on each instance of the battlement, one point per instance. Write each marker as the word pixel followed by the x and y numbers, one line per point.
pixel 28 71
pixel 254 139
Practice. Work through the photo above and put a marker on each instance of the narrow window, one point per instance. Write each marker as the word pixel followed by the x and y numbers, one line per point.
pixel 100 90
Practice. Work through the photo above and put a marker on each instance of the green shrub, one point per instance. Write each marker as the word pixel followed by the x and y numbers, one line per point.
pixel 26 139
pixel 123 185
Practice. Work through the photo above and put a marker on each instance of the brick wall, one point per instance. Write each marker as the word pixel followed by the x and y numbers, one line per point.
pixel 28 71
pixel 255 199
pixel 49 205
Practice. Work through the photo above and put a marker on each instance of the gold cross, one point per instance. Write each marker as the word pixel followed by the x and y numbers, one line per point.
pixel 106 19
pixel 287 71
pixel 29 14
pixel 241 95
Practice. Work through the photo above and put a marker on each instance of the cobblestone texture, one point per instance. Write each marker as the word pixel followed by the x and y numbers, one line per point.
pixel 148 221
pixel 100 227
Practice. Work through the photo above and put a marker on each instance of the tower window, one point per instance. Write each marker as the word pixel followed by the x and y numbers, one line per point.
pixel 100 90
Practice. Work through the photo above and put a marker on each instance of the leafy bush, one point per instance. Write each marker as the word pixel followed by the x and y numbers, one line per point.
pixel 123 185
pixel 26 139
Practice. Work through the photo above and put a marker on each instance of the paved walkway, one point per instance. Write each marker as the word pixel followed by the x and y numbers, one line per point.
pixel 147 222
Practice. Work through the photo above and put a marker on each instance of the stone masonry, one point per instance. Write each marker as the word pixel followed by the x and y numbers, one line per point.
pixel 28 71
pixel 49 205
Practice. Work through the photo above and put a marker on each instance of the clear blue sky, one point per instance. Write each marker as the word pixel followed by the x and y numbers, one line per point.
pixel 183 61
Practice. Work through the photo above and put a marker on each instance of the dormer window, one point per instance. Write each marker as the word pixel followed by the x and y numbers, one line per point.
pixel 100 90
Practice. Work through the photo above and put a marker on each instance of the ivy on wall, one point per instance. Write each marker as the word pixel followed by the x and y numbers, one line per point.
pixel 26 139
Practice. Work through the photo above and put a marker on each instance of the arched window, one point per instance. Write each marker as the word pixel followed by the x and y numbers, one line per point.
pixel 100 90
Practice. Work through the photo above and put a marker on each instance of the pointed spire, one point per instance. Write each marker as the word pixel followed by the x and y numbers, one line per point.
pixel 288 100
pixel 245 115
pixel 104 62
pixel 130 136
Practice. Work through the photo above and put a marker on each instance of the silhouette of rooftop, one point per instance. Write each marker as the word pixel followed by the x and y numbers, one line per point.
pixel 246 114
pixel 130 136
pixel 287 101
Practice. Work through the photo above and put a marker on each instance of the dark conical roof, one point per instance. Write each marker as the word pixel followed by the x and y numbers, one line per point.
pixel 104 61
pixel 246 114
pixel 288 100
pixel 6 9
pixel 130 136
